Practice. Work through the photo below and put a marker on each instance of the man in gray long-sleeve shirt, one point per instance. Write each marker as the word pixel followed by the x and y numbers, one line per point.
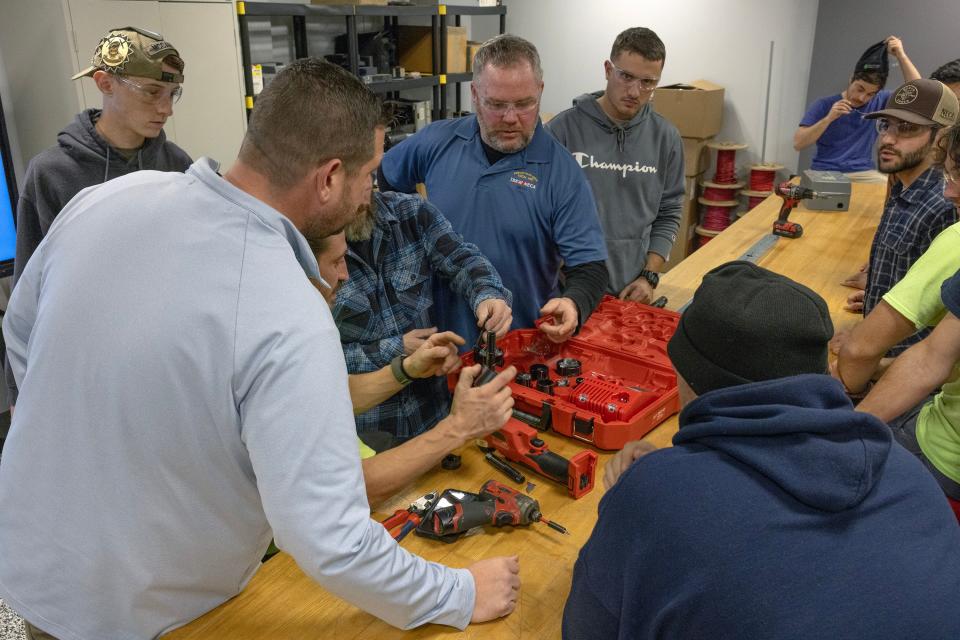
pixel 201 406
pixel 633 158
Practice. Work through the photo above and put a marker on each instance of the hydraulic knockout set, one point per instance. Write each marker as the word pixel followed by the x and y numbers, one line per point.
pixel 611 384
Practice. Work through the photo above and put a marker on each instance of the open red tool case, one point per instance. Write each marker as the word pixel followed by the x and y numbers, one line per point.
pixel 610 384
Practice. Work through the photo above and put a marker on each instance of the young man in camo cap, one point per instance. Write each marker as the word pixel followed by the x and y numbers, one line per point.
pixel 139 74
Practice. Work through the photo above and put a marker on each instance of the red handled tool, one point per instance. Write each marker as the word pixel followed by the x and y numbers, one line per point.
pixel 403 521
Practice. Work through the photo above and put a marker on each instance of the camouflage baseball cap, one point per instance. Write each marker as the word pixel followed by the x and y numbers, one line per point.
pixel 923 101
pixel 131 51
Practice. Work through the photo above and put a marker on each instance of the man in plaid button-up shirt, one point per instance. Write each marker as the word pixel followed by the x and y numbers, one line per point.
pixel 384 309
pixel 912 217
pixel 916 210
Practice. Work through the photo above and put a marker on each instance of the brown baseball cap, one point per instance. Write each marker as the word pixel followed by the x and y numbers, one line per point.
pixel 928 102
pixel 131 51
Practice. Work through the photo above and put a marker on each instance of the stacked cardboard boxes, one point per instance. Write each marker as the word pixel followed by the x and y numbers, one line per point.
pixel 696 109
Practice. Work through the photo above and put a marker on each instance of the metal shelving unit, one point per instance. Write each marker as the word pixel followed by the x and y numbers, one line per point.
pixel 349 13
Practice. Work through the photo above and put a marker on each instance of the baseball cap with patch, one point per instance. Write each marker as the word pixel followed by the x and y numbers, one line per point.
pixel 131 51
pixel 927 102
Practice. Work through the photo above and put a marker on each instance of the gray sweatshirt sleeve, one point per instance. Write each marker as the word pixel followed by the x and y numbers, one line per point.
pixel 663 232
pixel 297 425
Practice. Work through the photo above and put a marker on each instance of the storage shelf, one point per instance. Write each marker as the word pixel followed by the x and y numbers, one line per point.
pixel 350 14
pixel 403 84
pixel 459 77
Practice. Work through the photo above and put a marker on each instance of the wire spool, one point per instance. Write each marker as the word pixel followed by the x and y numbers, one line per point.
pixel 716 214
pixel 755 197
pixel 705 235
pixel 763 176
pixel 716 192
pixel 726 161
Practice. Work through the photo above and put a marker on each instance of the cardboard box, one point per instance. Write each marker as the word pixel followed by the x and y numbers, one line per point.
pixel 415 47
pixel 696 156
pixel 696 109
pixel 471 53
pixel 690 218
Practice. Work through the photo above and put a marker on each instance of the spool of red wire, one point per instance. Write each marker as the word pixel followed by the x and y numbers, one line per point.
pixel 704 235
pixel 763 176
pixel 755 197
pixel 716 215
pixel 726 167
pixel 716 193
pixel 726 161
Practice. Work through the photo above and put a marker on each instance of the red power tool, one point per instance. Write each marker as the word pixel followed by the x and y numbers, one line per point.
pixel 520 443
pixel 499 506
pixel 792 194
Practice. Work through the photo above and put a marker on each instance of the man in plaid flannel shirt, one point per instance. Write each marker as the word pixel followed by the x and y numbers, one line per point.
pixel 916 210
pixel 383 310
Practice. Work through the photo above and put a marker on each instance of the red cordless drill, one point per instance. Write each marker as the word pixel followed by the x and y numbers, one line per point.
pixel 792 195
pixel 500 506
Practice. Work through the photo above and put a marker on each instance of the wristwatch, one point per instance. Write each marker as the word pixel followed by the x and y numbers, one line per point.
pixel 396 366
pixel 651 276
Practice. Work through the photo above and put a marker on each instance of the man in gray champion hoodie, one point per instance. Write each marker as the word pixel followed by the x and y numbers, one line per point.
pixel 139 75
pixel 633 159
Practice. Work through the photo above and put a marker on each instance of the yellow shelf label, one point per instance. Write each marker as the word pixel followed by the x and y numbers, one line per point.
pixel 442 9
pixel 241 9
pixel 443 78
pixel 249 101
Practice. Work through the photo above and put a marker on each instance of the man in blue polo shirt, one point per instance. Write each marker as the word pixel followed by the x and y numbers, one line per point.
pixel 509 187
pixel 836 123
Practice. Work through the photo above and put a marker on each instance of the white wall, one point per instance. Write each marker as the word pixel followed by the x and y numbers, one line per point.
pixel 726 42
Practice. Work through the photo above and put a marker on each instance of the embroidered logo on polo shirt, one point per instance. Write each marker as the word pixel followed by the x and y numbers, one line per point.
pixel 524 179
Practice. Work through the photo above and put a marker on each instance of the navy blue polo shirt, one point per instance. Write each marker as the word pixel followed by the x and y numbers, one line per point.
pixel 529 212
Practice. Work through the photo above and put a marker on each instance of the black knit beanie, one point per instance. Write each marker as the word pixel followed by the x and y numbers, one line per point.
pixel 747 324
pixel 874 60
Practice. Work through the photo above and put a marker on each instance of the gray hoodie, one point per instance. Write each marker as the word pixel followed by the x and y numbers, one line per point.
pixel 80 159
pixel 636 173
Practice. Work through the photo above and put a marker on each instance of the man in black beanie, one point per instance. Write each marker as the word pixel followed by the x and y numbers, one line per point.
pixel 835 123
pixel 779 512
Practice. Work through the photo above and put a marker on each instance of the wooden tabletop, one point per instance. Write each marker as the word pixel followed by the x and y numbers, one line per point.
pixel 281 602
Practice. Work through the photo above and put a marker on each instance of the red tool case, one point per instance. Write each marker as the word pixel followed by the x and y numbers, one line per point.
pixel 626 385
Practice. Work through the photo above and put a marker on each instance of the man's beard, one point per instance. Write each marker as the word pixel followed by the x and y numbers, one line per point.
pixel 492 138
pixel 903 162
pixel 320 227
pixel 362 226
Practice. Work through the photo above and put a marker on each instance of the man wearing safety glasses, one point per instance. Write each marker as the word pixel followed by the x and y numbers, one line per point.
pixel 633 158
pixel 916 210
pixel 139 75
pixel 508 187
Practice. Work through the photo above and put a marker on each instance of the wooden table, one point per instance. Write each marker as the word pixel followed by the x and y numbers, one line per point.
pixel 281 602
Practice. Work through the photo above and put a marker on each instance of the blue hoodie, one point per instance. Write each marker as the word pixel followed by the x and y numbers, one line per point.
pixel 778 513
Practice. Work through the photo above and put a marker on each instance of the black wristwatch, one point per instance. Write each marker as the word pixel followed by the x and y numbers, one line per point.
pixel 651 276
pixel 396 366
